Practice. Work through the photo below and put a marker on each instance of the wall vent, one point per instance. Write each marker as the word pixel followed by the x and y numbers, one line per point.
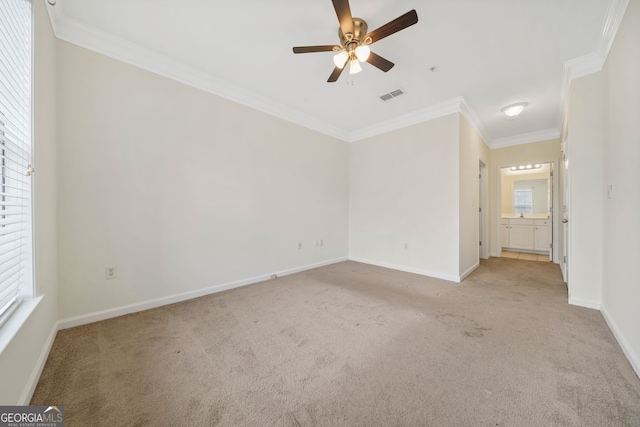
pixel 391 95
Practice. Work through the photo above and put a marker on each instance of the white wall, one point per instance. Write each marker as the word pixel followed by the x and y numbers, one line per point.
pixel 585 140
pixel 21 361
pixel 473 150
pixel 536 152
pixel 621 269
pixel 182 190
pixel 404 189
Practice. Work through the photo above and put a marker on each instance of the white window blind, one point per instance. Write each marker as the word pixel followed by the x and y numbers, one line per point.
pixel 523 201
pixel 16 276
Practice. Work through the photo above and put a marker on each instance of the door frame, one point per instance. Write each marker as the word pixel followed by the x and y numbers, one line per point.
pixel 483 204
pixel 565 209
pixel 555 203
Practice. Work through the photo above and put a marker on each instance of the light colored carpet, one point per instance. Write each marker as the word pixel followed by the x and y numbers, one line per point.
pixel 354 345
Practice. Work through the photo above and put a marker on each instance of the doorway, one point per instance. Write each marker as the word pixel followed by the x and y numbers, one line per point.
pixel 483 211
pixel 526 211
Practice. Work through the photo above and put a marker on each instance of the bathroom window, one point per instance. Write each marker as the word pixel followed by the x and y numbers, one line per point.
pixel 523 201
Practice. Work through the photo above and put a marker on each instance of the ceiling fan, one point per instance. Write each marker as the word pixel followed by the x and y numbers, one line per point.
pixel 355 40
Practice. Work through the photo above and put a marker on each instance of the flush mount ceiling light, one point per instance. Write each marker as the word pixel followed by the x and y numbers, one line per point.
pixel 514 109
pixel 526 167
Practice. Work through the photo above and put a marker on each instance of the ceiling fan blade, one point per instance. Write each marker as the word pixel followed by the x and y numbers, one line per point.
pixel 379 62
pixel 344 15
pixel 334 76
pixel 400 23
pixel 311 49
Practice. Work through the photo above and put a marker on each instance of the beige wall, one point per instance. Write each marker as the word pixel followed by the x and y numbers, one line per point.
pixel 404 189
pixel 182 190
pixel 585 199
pixel 621 241
pixel 508 185
pixel 473 150
pixel 21 360
pixel 537 152
pixel 418 187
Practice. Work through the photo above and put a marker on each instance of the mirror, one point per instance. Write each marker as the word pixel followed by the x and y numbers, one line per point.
pixel 531 196
pixel 526 192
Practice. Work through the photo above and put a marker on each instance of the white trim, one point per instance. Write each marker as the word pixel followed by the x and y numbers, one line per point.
pixel 494 254
pixel 634 359
pixel 442 109
pixel 584 303
pixel 75 32
pixel 14 322
pixel 30 387
pixel 55 12
pixel 469 271
pixel 563 270
pixel 584 65
pixel 475 122
pixel 617 9
pixel 555 224
pixel 70 30
pixel 421 272
pixel 171 299
pixel 526 138
pixel 593 62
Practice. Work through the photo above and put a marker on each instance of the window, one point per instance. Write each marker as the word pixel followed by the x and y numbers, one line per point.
pixel 523 201
pixel 16 276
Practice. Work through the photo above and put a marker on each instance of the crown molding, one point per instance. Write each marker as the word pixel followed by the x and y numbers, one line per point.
pixel 74 32
pixel 451 106
pixel 442 109
pixel 615 14
pixel 106 44
pixel 526 138
pixel 475 122
pixel 593 62
pixel 56 12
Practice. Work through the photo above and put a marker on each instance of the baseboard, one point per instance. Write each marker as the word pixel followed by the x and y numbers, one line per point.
pixel 633 358
pixel 448 277
pixel 494 254
pixel 469 271
pixel 27 394
pixel 158 302
pixel 584 303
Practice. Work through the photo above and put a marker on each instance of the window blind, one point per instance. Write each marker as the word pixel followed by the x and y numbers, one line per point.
pixel 523 201
pixel 16 276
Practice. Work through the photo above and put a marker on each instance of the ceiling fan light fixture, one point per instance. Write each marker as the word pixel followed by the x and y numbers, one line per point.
pixel 362 52
pixel 340 59
pixel 514 109
pixel 355 66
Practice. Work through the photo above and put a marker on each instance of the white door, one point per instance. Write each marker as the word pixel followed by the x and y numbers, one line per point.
pixel 564 176
pixel 483 248
pixel 552 209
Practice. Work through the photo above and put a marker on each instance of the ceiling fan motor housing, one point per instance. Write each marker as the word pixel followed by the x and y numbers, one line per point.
pixel 359 32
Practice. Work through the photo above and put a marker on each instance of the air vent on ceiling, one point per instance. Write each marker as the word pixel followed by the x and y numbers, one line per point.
pixel 391 95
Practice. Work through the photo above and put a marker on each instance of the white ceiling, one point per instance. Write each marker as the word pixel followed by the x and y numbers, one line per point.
pixel 487 54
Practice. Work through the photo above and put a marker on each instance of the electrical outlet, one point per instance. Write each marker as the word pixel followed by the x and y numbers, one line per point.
pixel 299 245
pixel 321 242
pixel 110 272
pixel 406 246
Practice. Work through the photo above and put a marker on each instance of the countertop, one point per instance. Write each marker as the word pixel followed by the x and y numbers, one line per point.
pixel 530 216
